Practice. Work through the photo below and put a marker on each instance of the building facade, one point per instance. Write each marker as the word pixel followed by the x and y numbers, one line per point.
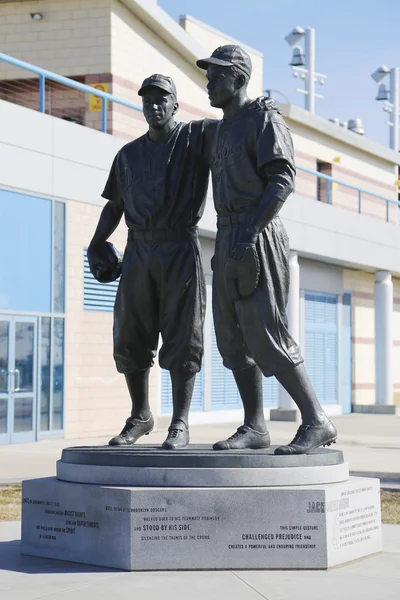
pixel 57 376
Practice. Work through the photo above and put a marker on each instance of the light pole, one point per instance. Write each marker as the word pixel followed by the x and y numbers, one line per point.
pixel 303 64
pixel 391 100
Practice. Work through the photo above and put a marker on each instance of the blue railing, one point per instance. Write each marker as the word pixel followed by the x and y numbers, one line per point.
pixel 43 74
pixel 360 191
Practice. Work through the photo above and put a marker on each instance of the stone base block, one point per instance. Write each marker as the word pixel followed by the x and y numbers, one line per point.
pixel 284 414
pixel 377 409
pixel 133 528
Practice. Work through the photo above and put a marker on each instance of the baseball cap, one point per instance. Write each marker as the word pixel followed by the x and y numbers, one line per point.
pixel 228 56
pixel 161 81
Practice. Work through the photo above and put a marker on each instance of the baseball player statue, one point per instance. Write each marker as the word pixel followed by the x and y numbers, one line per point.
pixel 159 183
pixel 253 173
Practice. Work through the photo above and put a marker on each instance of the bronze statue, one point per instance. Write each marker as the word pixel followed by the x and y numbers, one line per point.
pixel 159 182
pixel 253 173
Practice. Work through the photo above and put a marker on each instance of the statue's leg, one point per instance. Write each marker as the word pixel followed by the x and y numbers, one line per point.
pixel 264 323
pixel 141 420
pixel 182 310
pixel 249 382
pixel 316 429
pixel 182 391
pixel 138 386
pixel 253 434
pixel 136 338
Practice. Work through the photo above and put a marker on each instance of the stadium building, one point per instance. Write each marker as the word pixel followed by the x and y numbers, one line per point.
pixel 57 374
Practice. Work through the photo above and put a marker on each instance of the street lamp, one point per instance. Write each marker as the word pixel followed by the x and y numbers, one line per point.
pixel 393 94
pixel 303 64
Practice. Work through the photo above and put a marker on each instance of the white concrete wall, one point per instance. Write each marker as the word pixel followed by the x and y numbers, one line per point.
pixel 338 236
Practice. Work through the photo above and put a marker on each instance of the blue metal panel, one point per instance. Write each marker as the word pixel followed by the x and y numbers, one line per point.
pixel 346 354
pixel 321 345
pixel 97 296
pixel 224 392
pixel 270 392
pixel 166 392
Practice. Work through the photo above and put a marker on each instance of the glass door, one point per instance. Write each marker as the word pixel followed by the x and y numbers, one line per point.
pixel 18 367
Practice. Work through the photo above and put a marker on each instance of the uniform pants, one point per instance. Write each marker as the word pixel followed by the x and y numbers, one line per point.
pixel 255 330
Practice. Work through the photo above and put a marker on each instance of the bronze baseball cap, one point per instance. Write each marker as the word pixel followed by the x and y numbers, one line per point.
pixel 228 56
pixel 160 81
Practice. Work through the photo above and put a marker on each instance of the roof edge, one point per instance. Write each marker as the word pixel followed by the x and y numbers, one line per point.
pixel 169 30
pixel 218 32
pixel 304 117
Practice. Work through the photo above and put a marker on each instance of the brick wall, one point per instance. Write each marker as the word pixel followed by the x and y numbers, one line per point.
pixel 73 37
pixel 361 285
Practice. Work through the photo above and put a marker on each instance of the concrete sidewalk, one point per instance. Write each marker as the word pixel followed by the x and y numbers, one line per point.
pixel 27 578
pixel 370 443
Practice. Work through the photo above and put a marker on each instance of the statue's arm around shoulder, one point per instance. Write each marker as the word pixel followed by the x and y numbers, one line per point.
pixel 208 128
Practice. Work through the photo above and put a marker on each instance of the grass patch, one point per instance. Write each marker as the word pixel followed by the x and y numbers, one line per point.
pixel 390 505
pixel 10 505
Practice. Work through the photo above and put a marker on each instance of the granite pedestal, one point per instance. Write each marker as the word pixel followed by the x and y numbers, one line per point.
pixel 141 508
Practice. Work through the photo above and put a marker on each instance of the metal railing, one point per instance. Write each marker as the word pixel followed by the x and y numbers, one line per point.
pixel 360 192
pixel 45 75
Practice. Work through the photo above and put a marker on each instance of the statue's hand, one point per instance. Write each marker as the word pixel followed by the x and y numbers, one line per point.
pixel 104 262
pixel 242 271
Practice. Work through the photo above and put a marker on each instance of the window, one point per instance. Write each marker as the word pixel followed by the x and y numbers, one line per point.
pixel 26 252
pixel 323 186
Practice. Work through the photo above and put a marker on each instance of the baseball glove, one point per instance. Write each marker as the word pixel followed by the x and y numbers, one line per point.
pixel 242 271
pixel 104 262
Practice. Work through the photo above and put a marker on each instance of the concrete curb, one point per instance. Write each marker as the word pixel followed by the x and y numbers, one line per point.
pixel 389 481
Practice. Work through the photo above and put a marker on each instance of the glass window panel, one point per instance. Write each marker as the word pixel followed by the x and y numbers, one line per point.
pixel 3 415
pixel 45 375
pixel 24 341
pixel 58 373
pixel 25 278
pixel 59 256
pixel 23 414
pixel 4 335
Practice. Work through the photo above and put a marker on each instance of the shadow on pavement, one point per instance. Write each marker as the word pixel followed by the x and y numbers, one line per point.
pixel 11 559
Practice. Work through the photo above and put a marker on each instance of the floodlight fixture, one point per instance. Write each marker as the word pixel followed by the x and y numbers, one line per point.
pixel 383 92
pixel 298 58
pixel 36 16
pixel 391 100
pixel 380 73
pixel 294 36
pixel 303 64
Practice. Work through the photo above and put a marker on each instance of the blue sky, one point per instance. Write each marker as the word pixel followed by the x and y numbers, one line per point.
pixel 353 38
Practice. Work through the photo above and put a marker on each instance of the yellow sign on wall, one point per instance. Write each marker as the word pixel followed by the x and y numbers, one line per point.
pixel 95 101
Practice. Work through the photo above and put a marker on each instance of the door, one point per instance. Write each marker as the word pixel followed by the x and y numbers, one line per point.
pixel 18 360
